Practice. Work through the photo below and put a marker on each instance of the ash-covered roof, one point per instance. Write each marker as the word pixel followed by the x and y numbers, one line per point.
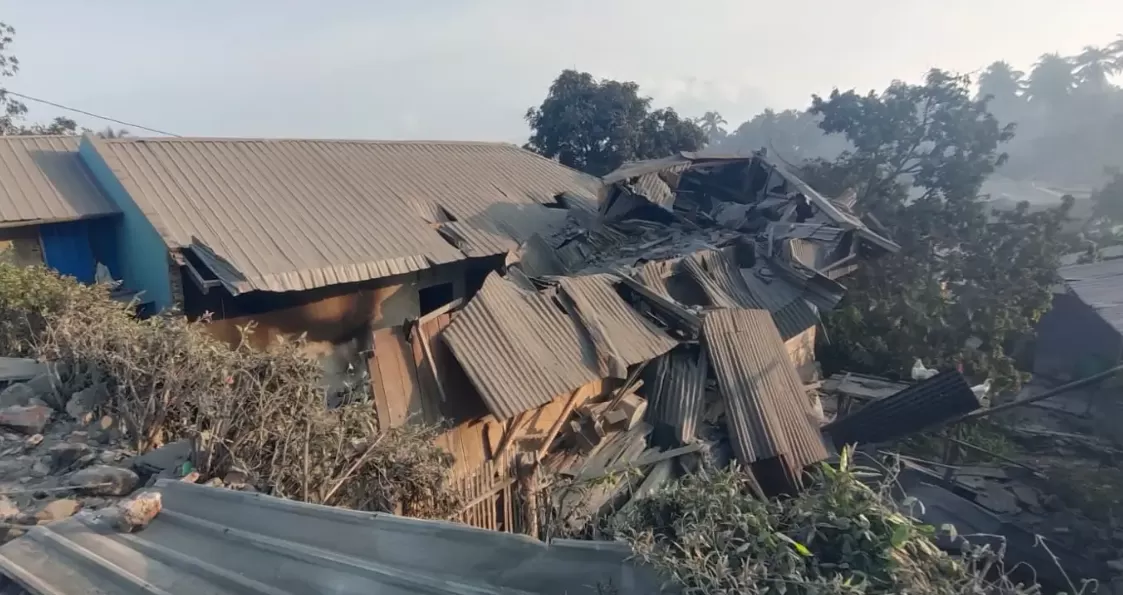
pixel 285 215
pixel 42 180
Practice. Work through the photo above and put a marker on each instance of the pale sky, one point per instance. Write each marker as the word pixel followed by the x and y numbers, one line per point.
pixel 438 69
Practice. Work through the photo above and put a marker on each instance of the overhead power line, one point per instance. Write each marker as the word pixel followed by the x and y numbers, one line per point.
pixel 91 114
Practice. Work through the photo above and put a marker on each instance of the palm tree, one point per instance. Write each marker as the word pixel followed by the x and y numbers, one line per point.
pixel 1051 81
pixel 1004 86
pixel 712 124
pixel 1116 49
pixel 1094 65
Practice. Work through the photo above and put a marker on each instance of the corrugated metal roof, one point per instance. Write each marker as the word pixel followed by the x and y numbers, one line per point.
pixel 720 280
pixel 1100 286
pixel 519 348
pixel 821 232
pixel 726 286
pixel 652 187
pixel 676 393
pixel 224 542
pixel 766 406
pixel 42 180
pixel 942 397
pixel 283 215
pixel 634 338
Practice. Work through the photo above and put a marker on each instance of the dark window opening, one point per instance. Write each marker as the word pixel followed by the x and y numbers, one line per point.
pixel 434 297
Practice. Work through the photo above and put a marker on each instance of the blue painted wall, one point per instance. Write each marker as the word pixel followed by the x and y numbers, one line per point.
pixel 142 255
pixel 67 249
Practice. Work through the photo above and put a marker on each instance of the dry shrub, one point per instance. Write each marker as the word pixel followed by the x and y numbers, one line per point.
pixel 709 535
pixel 263 412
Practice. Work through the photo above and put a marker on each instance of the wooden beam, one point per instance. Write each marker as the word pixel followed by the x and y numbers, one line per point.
pixel 445 309
pixel 432 363
pixel 509 434
pixel 553 432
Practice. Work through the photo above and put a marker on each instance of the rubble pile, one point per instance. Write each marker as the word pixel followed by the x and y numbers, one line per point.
pixel 57 458
pixel 696 292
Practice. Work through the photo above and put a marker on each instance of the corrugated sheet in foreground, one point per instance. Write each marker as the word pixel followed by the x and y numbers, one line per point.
pixel 42 180
pixel 224 542
pixel 284 215
pixel 943 397
pixel 766 406
pixel 677 393
pixel 519 348
pixel 634 338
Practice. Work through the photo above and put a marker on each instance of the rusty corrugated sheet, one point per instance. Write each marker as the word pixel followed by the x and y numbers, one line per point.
pixel 943 397
pixel 476 240
pixel 726 286
pixel 653 188
pixel 766 407
pixel 720 280
pixel 654 275
pixel 633 338
pixel 43 181
pixel 519 349
pixel 284 215
pixel 676 393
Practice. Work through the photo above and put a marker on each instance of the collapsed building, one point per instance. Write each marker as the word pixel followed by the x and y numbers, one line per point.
pixel 681 316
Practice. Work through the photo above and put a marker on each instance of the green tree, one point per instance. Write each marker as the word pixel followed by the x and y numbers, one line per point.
pixel 110 132
pixel 1051 81
pixel 1094 65
pixel 713 125
pixel 1004 84
pixel 920 155
pixel 13 111
pixel 1108 200
pixel 597 125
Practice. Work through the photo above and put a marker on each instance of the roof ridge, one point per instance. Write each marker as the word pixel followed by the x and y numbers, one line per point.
pixel 222 139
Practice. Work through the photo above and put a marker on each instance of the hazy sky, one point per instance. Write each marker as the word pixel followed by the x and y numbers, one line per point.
pixel 439 69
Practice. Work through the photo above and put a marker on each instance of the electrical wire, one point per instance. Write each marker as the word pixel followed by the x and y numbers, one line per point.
pixel 91 114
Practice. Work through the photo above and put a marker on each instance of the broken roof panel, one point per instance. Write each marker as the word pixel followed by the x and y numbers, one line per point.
pixel 519 348
pixel 226 542
pixel 677 392
pixel 42 180
pixel 634 339
pixel 945 396
pixel 766 406
pixel 284 215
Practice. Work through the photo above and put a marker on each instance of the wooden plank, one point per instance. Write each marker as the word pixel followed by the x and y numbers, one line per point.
pixel 510 433
pixel 445 309
pixel 553 431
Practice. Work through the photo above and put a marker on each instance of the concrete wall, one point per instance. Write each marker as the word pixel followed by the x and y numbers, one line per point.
pixel 21 245
pixel 141 252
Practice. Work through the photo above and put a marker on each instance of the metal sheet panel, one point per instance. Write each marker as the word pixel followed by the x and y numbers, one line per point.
pixel 519 349
pixel 634 338
pixel 66 249
pixel 766 407
pixel 284 215
pixel 1100 286
pixel 677 393
pixel 225 542
pixel 42 180
pixel 943 397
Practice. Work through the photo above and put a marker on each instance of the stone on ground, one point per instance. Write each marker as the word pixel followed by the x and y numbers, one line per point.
pixel 57 510
pixel 30 419
pixel 103 480
pixel 137 511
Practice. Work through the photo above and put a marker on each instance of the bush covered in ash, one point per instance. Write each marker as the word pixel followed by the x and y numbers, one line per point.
pixel 165 378
pixel 709 535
